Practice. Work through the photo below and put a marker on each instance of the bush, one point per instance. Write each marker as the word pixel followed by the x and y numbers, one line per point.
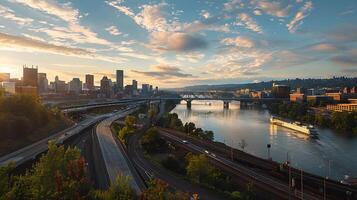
pixel 152 142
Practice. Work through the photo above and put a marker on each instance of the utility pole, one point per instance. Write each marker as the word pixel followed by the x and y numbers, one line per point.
pixel 302 185
pixel 324 188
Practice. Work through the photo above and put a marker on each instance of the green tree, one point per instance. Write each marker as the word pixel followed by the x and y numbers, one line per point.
pixel 159 190
pixel 119 190
pixel 199 169
pixel 151 141
pixel 60 174
pixel 189 127
pixel 130 122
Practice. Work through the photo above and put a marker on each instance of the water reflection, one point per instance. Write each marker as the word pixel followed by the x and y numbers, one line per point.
pixel 234 124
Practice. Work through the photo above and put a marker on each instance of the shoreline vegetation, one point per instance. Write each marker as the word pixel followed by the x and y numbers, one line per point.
pixel 24 120
pixel 342 122
pixel 195 168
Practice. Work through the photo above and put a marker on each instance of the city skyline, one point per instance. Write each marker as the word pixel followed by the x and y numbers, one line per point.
pixel 174 44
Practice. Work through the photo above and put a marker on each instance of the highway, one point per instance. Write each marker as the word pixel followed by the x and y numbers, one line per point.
pixel 267 183
pixel 31 151
pixel 78 108
pixel 114 156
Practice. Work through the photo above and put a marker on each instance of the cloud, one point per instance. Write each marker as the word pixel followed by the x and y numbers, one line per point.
pixel 113 30
pixel 245 20
pixel 65 12
pixel 193 57
pixel 19 43
pixel 239 42
pixel 274 8
pixel 164 71
pixel 233 4
pixel 176 41
pixel 7 13
pixel 346 33
pixel 345 60
pixel 298 20
pixel 116 4
pixel 22 42
pixel 205 14
pixel 152 18
pixel 325 47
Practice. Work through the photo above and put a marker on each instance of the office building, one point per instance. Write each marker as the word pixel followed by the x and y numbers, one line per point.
pixel 30 77
pixel 42 82
pixel 4 77
pixel 8 87
pixel 75 86
pixel 298 97
pixel 60 86
pixel 90 82
pixel 319 99
pixel 128 90
pixel 135 85
pixel 145 88
pixel 120 80
pixel 105 87
pixel 280 91
pixel 345 107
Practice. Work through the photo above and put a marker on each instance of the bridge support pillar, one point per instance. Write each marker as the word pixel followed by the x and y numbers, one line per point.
pixel 225 104
pixel 189 104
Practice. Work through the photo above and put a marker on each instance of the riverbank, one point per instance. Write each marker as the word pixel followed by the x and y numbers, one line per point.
pixel 331 154
pixel 342 122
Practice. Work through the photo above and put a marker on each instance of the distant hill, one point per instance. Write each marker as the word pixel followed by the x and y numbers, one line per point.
pixel 293 83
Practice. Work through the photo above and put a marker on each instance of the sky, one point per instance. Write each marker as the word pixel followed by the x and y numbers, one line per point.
pixel 177 43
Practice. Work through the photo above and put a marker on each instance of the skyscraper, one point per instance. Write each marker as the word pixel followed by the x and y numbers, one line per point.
pixel 30 77
pixel 75 86
pixel 145 89
pixel 42 82
pixel 90 82
pixel 120 80
pixel 105 88
pixel 135 85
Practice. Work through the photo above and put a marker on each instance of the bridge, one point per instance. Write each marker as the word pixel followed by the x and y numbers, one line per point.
pixel 226 100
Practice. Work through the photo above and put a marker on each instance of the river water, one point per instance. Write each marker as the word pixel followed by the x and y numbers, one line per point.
pixel 331 154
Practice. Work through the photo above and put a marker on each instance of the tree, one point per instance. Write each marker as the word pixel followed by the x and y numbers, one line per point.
pixel 151 141
pixel 60 174
pixel 189 127
pixel 159 190
pixel 199 169
pixel 119 190
pixel 130 122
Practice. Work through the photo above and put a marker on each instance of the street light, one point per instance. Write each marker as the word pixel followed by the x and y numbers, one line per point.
pixel 269 146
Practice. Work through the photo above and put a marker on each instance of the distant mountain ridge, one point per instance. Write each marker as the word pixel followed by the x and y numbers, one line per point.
pixel 293 83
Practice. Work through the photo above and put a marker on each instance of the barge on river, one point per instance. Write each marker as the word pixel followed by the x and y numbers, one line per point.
pixel 296 126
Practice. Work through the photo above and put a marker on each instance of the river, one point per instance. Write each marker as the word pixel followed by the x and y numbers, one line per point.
pixel 332 155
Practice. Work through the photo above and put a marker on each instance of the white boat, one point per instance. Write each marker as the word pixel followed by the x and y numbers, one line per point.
pixel 297 126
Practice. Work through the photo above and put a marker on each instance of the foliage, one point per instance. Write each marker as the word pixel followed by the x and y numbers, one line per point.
pixel 24 114
pixel 119 190
pixel 174 164
pixel 172 121
pixel 341 121
pixel 128 128
pixel 152 142
pixel 159 190
pixel 130 122
pixel 200 170
pixel 60 174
